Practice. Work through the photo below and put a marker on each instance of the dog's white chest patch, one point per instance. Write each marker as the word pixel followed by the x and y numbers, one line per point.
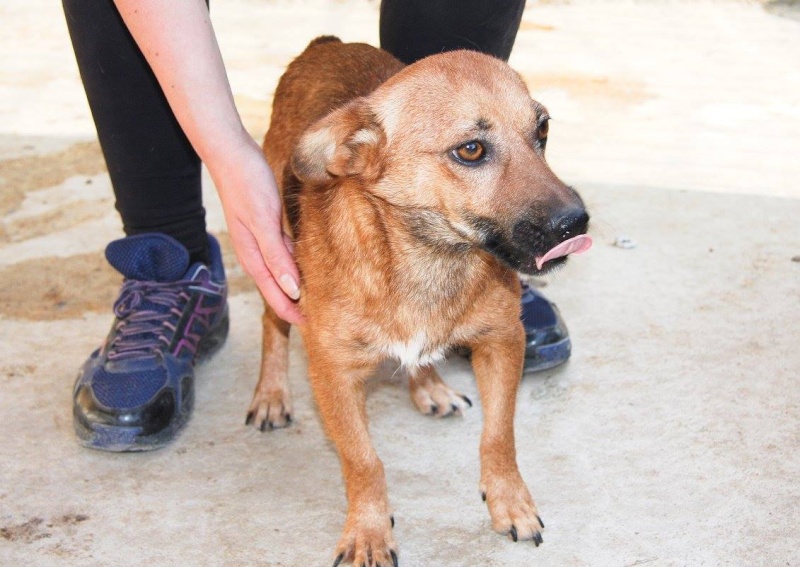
pixel 412 353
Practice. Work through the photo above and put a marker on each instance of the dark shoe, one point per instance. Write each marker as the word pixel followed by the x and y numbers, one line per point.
pixel 137 390
pixel 547 340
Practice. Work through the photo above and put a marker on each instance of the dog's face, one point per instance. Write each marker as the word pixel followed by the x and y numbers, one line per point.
pixel 456 142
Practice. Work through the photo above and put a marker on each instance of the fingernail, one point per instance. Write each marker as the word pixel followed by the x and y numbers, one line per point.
pixel 289 286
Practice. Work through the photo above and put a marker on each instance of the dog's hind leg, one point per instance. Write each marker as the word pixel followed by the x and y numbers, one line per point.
pixel 433 396
pixel 341 397
pixel 271 407
pixel 497 361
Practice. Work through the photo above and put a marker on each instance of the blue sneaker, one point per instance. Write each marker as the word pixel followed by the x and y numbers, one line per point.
pixel 137 390
pixel 547 340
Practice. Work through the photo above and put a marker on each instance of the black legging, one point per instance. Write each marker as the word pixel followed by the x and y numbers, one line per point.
pixel 154 171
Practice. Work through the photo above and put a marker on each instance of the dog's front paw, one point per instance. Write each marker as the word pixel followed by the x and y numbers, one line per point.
pixel 270 410
pixel 367 541
pixel 433 396
pixel 512 509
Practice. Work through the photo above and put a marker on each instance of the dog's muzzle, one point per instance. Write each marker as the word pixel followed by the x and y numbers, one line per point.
pixel 533 246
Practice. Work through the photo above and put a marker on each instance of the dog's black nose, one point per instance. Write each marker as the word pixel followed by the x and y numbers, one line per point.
pixel 572 223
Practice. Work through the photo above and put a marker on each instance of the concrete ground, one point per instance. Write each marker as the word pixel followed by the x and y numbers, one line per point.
pixel 672 436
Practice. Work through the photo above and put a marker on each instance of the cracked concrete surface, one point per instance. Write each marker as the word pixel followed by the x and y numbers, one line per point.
pixel 671 437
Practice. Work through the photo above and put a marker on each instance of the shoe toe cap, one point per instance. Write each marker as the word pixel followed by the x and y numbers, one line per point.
pixel 150 418
pixel 143 396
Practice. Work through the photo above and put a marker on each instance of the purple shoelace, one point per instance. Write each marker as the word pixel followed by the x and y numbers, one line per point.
pixel 147 313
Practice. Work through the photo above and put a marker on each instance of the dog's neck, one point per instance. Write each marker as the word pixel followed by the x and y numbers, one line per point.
pixel 425 251
pixel 411 252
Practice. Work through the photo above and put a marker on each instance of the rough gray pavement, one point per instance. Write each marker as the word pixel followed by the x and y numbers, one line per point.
pixel 670 439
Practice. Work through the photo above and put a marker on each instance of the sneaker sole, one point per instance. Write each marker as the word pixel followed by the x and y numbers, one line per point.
pixel 548 356
pixel 115 439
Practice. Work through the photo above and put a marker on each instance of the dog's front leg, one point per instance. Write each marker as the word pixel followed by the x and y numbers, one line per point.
pixel 367 538
pixel 271 407
pixel 497 363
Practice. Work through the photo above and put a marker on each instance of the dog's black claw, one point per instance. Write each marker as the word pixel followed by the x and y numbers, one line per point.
pixel 434 409
pixel 288 418
pixel 270 425
pixel 466 399
pixel 249 419
pixel 537 539
pixel 541 523
pixel 391 519
pixel 263 427
pixel 394 558
pixel 454 408
pixel 483 496
pixel 338 560
pixel 513 533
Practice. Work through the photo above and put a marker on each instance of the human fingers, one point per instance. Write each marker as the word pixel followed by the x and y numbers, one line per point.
pixel 250 255
pixel 273 294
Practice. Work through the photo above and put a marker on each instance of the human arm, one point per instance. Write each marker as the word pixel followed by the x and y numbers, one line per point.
pixel 178 41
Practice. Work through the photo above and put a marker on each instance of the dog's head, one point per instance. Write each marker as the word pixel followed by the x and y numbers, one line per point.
pixel 457 143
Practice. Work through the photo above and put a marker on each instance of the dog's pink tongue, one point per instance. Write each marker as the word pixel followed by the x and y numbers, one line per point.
pixel 575 245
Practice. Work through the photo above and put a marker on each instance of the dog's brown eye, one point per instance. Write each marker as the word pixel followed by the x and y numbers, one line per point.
pixel 470 152
pixel 544 128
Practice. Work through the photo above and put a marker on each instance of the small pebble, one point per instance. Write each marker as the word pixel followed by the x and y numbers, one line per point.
pixel 796 258
pixel 625 242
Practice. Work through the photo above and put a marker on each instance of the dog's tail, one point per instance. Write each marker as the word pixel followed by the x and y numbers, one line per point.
pixel 323 39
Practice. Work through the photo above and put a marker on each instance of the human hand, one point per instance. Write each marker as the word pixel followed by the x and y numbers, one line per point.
pixel 252 207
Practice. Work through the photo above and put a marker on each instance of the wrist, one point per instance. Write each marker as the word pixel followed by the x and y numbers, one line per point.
pixel 230 154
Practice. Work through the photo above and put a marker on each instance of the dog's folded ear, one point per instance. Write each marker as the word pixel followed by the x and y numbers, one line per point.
pixel 348 142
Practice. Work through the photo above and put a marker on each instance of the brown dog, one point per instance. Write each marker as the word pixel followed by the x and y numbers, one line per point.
pixel 413 204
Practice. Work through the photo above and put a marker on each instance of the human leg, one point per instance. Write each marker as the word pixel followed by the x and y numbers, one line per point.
pixel 137 390
pixel 155 173
pixel 413 29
